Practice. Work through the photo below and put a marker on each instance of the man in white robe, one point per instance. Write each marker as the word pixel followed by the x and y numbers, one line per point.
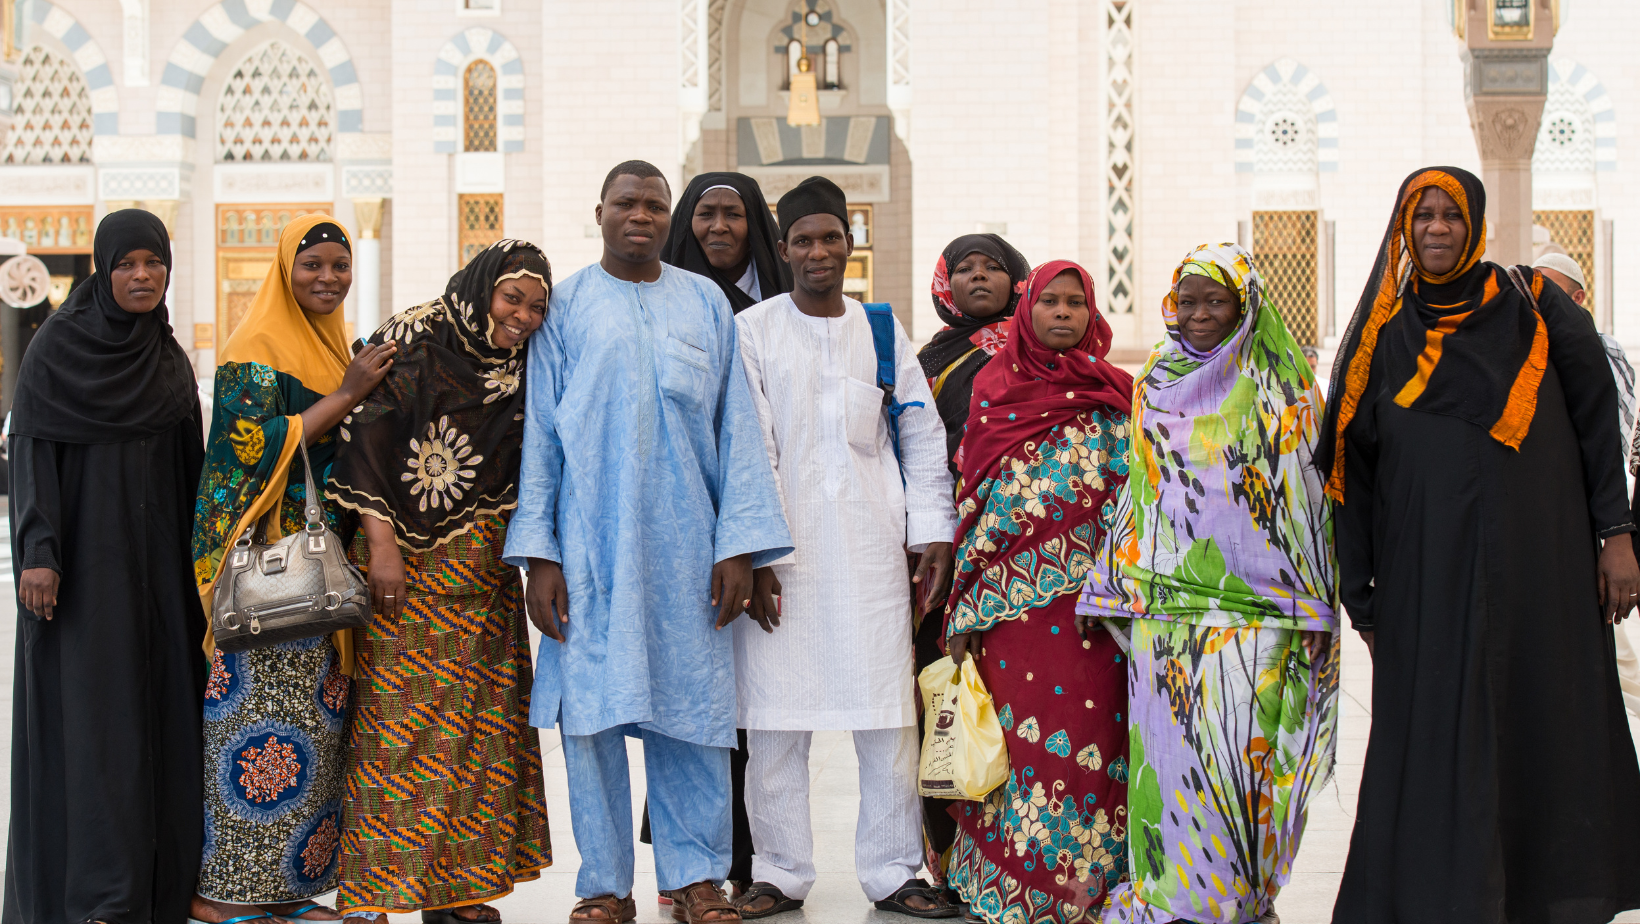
pixel 836 653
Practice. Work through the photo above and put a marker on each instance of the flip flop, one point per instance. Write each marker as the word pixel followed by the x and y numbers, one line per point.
pixel 295 915
pixel 239 920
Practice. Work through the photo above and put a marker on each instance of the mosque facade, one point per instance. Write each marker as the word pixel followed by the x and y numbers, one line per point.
pixel 1116 132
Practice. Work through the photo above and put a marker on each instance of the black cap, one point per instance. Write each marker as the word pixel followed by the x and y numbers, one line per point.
pixel 814 196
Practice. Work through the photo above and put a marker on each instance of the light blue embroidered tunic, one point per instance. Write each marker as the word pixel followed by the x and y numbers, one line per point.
pixel 643 466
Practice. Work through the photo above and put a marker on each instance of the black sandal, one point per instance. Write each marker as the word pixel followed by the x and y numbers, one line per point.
pixel 916 887
pixel 759 890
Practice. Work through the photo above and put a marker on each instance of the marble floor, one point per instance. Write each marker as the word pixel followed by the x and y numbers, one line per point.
pixel 837 899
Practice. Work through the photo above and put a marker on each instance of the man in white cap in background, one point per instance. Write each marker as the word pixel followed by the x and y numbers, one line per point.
pixel 1565 272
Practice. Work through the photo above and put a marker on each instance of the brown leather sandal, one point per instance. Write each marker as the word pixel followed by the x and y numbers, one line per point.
pixel 703 903
pixel 609 910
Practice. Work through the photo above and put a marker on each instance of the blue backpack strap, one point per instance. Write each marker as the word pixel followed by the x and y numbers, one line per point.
pixel 881 317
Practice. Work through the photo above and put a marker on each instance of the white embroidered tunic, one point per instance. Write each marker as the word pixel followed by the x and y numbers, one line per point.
pixel 841 657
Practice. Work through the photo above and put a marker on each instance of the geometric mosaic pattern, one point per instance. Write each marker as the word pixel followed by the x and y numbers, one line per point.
pixel 1119 134
pixel 478 119
pixel 87 55
pixel 1573 230
pixel 1284 247
pixel 275 107
pixel 53 123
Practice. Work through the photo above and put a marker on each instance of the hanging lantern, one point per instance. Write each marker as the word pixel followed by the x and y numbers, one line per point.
pixel 805 101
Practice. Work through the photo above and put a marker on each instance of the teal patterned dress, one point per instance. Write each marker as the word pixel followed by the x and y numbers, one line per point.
pixel 275 718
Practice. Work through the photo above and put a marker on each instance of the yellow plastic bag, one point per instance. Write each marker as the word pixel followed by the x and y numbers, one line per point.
pixel 963 755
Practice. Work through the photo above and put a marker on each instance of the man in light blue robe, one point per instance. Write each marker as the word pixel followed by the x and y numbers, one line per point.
pixel 645 501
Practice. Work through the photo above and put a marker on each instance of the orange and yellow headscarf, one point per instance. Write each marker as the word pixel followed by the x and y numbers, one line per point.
pixel 278 334
pixel 1446 342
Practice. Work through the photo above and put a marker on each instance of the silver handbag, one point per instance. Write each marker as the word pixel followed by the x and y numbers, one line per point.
pixel 299 587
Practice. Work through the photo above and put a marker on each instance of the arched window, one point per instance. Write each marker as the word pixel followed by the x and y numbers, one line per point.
pixel 52 122
pixel 829 79
pixel 275 106
pixel 794 53
pixel 479 108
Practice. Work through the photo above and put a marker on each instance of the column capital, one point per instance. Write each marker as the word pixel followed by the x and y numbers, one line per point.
pixel 367 214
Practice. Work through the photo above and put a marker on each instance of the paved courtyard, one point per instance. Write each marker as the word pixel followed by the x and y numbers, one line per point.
pixel 834 778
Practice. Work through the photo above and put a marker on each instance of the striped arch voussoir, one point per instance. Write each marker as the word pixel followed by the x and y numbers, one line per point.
pixel 190 62
pixel 99 79
pixel 1310 87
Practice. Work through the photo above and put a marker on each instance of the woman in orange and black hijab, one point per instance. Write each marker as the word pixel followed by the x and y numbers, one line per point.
pixel 1483 553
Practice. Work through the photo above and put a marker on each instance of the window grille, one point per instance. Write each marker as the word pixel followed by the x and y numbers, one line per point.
pixel 480 223
pixel 1573 230
pixel 1284 249
pixel 276 106
pixel 52 115
pixel 479 112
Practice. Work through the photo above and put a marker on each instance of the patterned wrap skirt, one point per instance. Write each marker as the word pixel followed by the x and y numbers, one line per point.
pixel 274 725
pixel 444 804
pixel 1232 733
pixel 1048 845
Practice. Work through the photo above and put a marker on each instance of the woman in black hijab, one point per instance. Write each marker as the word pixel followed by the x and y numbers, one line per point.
pixel 732 241
pixel 977 284
pixel 976 289
pixel 106 449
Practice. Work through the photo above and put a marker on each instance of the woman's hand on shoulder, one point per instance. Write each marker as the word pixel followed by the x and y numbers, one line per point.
pixel 369 366
pixel 37 591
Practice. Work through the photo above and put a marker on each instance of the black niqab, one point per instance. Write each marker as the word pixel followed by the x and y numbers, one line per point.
pixel 96 373
pixel 684 251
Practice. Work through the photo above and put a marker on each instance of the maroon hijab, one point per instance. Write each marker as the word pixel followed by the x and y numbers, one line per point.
pixel 1021 396
pixel 1028 389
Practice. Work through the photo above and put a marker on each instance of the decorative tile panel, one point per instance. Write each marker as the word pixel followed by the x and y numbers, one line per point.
pixel 275 107
pixel 52 121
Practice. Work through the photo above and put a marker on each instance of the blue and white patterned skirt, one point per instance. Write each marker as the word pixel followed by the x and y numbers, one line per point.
pixel 275 760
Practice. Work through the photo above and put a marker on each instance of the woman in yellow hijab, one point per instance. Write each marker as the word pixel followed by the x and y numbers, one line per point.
pixel 275 718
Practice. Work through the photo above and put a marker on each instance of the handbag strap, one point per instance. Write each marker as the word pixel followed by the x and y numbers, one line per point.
pixel 310 498
pixel 312 512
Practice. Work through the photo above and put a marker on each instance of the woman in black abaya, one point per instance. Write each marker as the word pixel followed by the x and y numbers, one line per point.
pixel 1483 553
pixel 106 450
